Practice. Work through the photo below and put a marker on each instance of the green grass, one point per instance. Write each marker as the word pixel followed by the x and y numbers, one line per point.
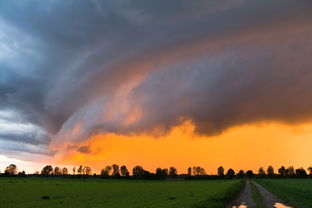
pixel 257 197
pixel 36 192
pixel 297 192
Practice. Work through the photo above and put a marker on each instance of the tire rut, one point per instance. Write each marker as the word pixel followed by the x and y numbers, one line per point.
pixel 269 199
pixel 245 199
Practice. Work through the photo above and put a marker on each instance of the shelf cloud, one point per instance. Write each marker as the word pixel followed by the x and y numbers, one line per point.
pixel 71 69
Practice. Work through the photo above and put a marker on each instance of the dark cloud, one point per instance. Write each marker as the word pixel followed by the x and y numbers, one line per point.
pixel 84 149
pixel 73 68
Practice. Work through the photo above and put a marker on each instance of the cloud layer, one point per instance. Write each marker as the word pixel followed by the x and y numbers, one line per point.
pixel 71 69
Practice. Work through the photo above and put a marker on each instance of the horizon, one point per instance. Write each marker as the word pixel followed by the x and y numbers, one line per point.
pixel 156 83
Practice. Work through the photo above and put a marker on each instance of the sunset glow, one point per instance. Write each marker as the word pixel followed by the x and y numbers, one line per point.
pixel 242 147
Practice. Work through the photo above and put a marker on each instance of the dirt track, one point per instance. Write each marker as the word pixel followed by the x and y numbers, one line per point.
pixel 269 199
pixel 245 199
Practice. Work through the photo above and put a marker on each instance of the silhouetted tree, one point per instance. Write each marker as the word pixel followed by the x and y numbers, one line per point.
pixel 197 170
pixel 261 172
pixel 270 171
pixel 173 171
pixel 230 173
pixel 106 171
pixel 74 170
pixel 115 170
pixel 249 173
pixel 310 170
pixel 158 172
pixel 300 172
pixel 146 174
pixel 22 173
pixel 138 171
pixel 241 174
pixel 189 171
pixel 64 171
pixel 220 171
pixel 86 170
pixel 164 172
pixel 57 171
pixel 10 170
pixel 161 173
pixel 80 170
pixel 124 171
pixel 290 171
pixel 282 171
pixel 47 170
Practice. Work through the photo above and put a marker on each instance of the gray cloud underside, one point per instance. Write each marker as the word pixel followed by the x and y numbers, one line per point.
pixel 219 63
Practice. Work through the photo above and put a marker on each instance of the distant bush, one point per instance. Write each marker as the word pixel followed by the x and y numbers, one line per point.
pixel 45 197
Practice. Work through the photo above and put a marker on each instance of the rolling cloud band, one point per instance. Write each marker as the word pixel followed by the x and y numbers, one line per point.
pixel 70 69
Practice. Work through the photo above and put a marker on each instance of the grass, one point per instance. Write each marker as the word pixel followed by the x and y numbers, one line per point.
pixel 257 197
pixel 297 192
pixel 36 192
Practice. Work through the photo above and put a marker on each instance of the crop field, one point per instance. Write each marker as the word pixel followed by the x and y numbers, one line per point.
pixel 50 192
pixel 297 192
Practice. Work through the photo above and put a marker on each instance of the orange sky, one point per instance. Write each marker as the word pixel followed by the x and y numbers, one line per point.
pixel 242 147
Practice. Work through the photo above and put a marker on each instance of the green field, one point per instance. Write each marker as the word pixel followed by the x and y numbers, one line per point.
pixel 36 192
pixel 297 192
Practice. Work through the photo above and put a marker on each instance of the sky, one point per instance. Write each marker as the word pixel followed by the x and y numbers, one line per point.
pixel 155 83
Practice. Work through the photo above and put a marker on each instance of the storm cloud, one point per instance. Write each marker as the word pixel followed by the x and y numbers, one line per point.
pixel 69 69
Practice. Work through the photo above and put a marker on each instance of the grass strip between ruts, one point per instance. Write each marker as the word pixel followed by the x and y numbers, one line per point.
pixel 257 197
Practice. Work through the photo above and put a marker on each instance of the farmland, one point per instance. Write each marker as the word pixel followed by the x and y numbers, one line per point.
pixel 51 192
pixel 297 192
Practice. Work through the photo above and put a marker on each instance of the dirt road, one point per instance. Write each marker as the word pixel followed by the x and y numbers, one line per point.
pixel 245 199
pixel 269 199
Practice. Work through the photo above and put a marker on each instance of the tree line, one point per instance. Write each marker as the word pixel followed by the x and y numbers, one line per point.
pixel 195 172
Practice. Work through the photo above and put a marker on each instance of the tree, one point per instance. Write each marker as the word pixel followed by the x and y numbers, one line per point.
pixel 115 170
pixel 158 172
pixel 261 172
pixel 65 171
pixel 10 170
pixel 80 170
pixel 173 171
pixel 290 171
pixel 164 172
pixel 310 170
pixel 270 171
pixel 146 174
pixel 86 170
pixel 189 171
pixel 249 173
pixel 106 171
pixel 241 174
pixel 230 173
pixel 197 170
pixel 300 172
pixel 220 171
pixel 124 171
pixel 74 170
pixel 57 171
pixel 47 170
pixel 22 173
pixel 282 171
pixel 138 171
